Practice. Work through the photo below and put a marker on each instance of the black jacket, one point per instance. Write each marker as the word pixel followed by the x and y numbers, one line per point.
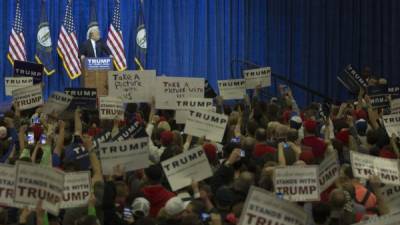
pixel 102 49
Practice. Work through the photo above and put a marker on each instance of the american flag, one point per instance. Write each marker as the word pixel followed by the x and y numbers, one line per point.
pixel 114 39
pixel 17 41
pixel 67 46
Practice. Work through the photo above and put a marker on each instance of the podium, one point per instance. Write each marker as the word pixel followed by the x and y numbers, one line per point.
pixel 95 72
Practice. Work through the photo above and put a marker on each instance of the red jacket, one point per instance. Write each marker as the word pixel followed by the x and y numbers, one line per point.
pixel 157 196
pixel 317 144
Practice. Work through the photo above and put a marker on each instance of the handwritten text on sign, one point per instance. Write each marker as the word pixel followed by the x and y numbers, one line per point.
pixel 168 89
pixel 131 85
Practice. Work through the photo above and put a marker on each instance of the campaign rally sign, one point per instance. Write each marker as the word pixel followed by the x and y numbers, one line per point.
pixel 14 83
pixel 28 97
pixel 377 90
pixel 57 103
pixel 395 106
pixel 130 131
pixel 206 124
pixel 328 171
pixel 7 183
pixel 352 80
pixel 76 190
pixel 255 77
pixel 84 98
pixel 364 166
pixel 185 167
pixel 35 182
pixel 262 207
pixel 232 89
pixel 394 90
pixel 131 85
pixel 102 137
pixel 168 89
pixel 184 105
pixel 392 124
pixel 391 195
pixel 380 101
pixel 388 219
pixel 28 69
pixel 101 63
pixel 111 108
pixel 131 154
pixel 297 183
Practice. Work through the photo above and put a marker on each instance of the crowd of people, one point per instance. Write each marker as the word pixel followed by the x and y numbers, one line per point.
pixel 261 135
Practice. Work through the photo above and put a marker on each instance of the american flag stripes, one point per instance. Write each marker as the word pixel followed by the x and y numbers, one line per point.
pixel 114 39
pixel 67 46
pixel 16 49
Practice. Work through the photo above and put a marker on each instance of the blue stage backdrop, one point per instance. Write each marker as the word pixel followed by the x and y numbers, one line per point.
pixel 308 41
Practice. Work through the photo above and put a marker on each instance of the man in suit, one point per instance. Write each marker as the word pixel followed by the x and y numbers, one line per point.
pixel 94 46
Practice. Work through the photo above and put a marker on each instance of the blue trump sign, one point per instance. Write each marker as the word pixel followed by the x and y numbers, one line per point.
pixel 104 63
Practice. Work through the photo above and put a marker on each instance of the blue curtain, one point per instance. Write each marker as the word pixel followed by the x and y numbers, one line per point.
pixel 311 41
pixel 308 41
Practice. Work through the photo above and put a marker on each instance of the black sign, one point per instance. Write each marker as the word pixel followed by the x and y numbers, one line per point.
pixel 394 90
pixel 131 131
pixel 351 80
pixel 28 69
pixel 377 90
pixel 84 98
pixel 380 101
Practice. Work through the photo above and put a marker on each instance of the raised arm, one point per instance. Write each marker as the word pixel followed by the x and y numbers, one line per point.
pixel 78 122
pixel 60 139
pixel 94 161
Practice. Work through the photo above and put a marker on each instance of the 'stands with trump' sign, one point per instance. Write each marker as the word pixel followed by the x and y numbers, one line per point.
pixel 35 182
pixel 365 166
pixel 76 190
pixel 7 183
pixel 262 207
pixel 111 108
pixel 297 183
pixel 28 97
